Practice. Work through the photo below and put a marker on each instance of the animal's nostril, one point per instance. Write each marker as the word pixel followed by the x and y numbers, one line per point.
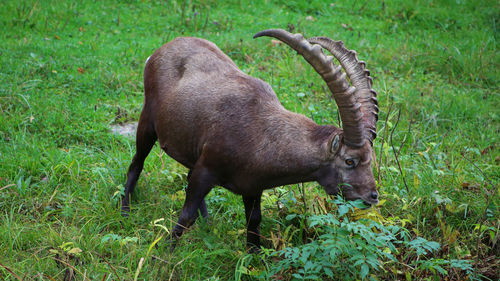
pixel 374 195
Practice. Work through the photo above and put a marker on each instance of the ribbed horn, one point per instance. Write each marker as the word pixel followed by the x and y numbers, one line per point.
pixel 361 80
pixel 349 108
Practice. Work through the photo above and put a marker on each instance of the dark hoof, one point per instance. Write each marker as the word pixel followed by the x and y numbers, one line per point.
pixel 125 211
pixel 252 249
pixel 172 242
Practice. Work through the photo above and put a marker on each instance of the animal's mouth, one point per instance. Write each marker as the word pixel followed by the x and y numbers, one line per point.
pixel 369 203
pixel 351 196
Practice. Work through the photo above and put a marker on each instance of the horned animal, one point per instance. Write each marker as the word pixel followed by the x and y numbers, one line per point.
pixel 229 129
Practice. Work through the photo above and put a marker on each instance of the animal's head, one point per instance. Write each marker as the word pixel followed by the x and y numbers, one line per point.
pixel 348 171
pixel 349 152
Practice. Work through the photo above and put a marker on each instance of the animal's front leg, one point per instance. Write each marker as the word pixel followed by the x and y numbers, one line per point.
pixel 253 216
pixel 201 181
pixel 203 205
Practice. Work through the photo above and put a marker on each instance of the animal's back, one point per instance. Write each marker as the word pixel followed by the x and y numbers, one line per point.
pixel 195 90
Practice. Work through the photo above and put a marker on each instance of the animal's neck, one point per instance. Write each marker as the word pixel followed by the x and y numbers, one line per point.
pixel 298 148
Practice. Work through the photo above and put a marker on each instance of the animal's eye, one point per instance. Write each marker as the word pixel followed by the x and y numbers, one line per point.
pixel 349 162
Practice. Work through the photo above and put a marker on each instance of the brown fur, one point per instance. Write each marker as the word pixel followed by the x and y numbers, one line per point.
pixel 231 130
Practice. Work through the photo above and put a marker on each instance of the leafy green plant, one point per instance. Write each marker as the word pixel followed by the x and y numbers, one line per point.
pixel 354 249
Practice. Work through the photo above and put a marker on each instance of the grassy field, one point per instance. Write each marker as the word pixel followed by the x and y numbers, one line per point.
pixel 71 69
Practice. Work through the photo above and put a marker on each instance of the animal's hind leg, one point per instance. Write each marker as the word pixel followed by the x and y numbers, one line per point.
pixel 145 139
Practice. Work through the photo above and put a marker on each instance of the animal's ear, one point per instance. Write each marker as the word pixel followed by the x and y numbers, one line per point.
pixel 335 144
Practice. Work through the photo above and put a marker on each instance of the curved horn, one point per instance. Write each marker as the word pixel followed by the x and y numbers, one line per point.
pixel 349 108
pixel 361 80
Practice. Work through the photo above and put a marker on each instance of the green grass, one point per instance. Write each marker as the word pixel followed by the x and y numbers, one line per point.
pixel 69 70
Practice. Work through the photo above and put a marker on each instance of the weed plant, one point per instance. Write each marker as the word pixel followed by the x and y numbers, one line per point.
pixel 353 249
pixel 71 69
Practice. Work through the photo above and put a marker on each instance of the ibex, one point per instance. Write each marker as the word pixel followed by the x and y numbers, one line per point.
pixel 229 129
